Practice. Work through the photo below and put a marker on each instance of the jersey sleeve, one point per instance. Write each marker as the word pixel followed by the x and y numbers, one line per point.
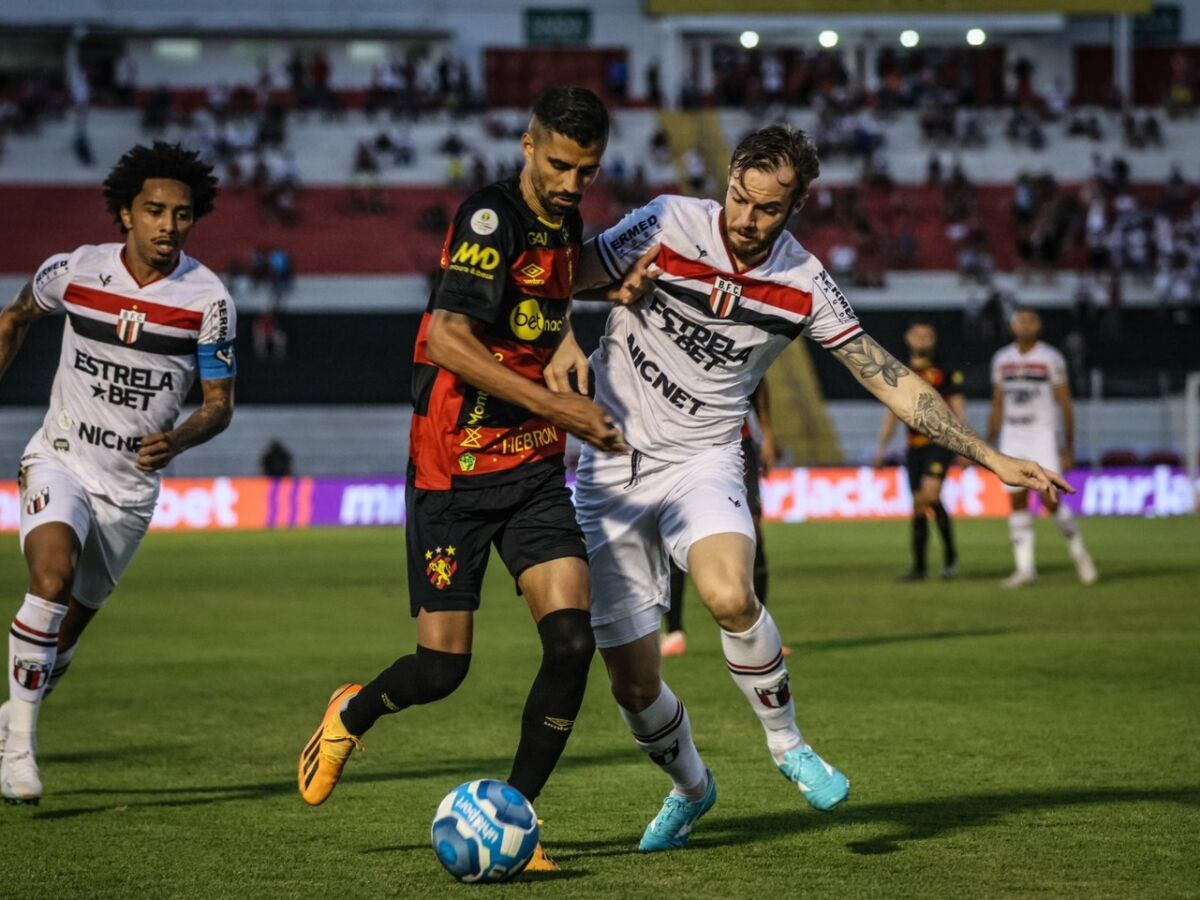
pixel 620 246
pixel 1058 369
pixel 832 321
pixel 479 248
pixel 50 282
pixel 215 358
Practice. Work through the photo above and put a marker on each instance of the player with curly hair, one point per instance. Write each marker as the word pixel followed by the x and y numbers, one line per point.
pixel 143 321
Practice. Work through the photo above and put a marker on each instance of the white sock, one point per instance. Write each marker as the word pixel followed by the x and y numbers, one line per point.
pixel 1020 530
pixel 1069 529
pixel 32 646
pixel 755 659
pixel 663 730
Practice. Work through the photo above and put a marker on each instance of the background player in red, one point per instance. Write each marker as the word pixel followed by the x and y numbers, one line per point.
pixel 486 452
pixel 927 463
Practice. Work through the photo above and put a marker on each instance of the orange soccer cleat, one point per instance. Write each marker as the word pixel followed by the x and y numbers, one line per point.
pixel 325 755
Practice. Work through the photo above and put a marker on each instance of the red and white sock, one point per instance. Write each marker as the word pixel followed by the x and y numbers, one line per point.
pixel 32 648
pixel 755 660
pixel 663 730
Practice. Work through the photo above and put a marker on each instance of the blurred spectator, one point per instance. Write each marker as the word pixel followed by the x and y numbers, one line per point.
pixel 276 461
pixel 269 338
pixel 366 194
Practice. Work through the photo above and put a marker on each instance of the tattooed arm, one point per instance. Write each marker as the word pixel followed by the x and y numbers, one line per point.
pixel 213 417
pixel 916 403
pixel 14 324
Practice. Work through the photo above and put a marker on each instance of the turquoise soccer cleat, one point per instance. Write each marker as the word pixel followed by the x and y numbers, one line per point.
pixel 674 823
pixel 823 786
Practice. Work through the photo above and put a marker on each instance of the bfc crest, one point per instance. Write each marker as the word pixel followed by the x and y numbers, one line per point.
pixel 38 502
pixel 724 297
pixel 129 325
pixel 30 674
pixel 440 566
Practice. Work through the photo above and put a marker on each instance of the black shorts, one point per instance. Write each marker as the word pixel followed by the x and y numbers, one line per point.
pixel 450 535
pixel 753 463
pixel 930 460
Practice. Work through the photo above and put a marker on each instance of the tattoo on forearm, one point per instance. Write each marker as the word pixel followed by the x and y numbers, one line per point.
pixel 869 360
pixel 203 425
pixel 934 419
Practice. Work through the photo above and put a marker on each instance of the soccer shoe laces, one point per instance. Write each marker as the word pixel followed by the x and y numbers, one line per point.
pixel 332 748
pixel 674 812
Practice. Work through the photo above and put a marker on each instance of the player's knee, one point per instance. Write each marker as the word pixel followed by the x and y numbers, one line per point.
pixel 635 694
pixel 52 580
pixel 567 641
pixel 733 605
pixel 440 673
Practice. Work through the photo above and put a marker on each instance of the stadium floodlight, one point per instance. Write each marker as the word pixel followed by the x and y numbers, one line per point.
pixel 909 38
pixel 749 39
pixel 976 37
pixel 828 39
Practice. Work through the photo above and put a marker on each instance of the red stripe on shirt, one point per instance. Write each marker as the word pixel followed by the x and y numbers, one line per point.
pixel 837 337
pixel 778 295
pixel 157 313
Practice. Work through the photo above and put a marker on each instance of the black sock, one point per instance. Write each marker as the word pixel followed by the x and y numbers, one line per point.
pixel 554 698
pixel 421 677
pixel 675 611
pixel 920 537
pixel 760 572
pixel 946 529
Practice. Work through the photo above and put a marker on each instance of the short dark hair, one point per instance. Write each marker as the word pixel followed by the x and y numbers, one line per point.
pixel 573 112
pixel 920 322
pixel 160 160
pixel 774 147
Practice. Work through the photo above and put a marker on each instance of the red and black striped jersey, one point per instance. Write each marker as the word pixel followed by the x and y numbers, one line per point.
pixel 512 272
pixel 947 382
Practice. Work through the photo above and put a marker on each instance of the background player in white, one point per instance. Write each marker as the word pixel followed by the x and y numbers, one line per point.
pixel 1029 378
pixel 675 371
pixel 143 320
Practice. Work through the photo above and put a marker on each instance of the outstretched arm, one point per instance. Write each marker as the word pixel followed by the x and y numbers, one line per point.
pixel 15 320
pixel 213 417
pixel 917 404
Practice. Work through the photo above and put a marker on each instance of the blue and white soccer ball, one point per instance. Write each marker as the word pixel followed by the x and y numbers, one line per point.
pixel 484 831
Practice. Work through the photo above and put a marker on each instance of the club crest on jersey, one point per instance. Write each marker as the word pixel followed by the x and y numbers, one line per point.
pixel 129 325
pixel 38 501
pixel 724 297
pixel 440 566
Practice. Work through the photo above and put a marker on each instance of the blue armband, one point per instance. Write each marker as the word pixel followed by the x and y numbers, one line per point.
pixel 216 361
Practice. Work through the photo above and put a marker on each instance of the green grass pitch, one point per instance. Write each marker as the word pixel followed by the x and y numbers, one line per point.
pixel 1043 742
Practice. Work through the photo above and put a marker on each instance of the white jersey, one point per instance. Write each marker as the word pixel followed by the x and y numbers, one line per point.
pixel 676 369
pixel 130 353
pixel 1028 381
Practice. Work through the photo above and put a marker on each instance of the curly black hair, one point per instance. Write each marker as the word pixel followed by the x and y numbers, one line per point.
pixel 161 160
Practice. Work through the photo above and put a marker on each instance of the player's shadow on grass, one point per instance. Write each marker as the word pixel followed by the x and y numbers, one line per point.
pixel 885 639
pixel 204 795
pixel 907 821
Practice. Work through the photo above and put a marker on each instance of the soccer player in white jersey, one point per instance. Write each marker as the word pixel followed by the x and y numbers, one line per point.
pixel 1029 379
pixel 675 370
pixel 143 320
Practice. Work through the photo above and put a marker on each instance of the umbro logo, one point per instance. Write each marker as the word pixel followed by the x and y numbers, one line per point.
pixel 736 503
pixel 105 280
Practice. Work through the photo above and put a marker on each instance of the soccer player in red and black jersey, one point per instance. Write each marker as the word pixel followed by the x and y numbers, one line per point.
pixel 486 451
pixel 927 462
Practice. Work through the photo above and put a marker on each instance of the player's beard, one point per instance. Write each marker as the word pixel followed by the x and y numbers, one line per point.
pixel 753 253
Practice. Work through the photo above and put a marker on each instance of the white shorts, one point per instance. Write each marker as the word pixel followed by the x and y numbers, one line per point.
pixel 109 535
pixel 634 512
pixel 1040 446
